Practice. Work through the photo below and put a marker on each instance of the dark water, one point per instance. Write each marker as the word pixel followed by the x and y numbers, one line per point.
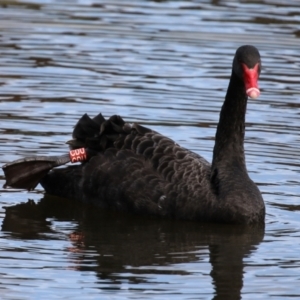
pixel 164 64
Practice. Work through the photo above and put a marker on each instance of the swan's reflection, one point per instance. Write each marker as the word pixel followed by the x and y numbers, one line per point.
pixel 121 240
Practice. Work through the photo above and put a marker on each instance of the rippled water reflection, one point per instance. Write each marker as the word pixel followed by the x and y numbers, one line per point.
pixel 165 64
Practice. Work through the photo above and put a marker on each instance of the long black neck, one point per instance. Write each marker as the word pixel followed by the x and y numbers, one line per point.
pixel 229 142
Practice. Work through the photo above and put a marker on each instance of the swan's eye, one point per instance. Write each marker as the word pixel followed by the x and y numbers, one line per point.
pixel 259 68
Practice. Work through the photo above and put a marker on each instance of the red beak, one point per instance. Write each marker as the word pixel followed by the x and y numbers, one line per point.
pixel 250 79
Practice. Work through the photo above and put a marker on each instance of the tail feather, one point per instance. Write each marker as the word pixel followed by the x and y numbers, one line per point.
pixel 98 134
pixel 99 119
pixel 87 127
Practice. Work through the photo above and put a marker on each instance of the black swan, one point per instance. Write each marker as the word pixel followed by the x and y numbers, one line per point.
pixel 133 168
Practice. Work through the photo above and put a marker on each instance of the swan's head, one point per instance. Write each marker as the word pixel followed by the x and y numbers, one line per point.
pixel 247 65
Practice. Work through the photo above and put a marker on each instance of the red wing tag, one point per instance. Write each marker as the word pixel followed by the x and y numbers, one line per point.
pixel 78 155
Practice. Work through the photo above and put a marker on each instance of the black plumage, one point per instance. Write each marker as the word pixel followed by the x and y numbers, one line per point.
pixel 136 169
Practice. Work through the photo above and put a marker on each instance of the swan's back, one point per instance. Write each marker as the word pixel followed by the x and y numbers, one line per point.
pixel 135 169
